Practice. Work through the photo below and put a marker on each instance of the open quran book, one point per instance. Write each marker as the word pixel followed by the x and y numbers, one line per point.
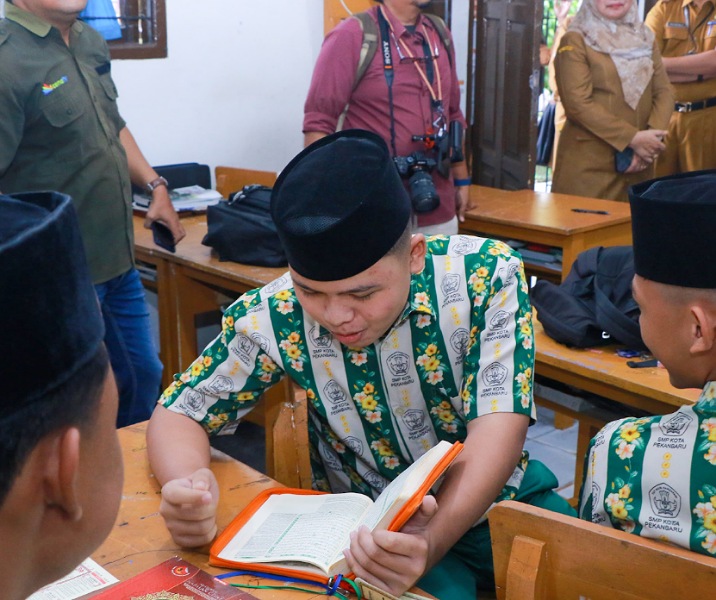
pixel 303 533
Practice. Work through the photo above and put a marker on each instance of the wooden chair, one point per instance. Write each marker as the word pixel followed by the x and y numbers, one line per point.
pixel 540 554
pixel 231 179
pixel 286 424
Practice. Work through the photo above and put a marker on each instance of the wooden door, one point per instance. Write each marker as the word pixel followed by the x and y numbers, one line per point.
pixel 503 90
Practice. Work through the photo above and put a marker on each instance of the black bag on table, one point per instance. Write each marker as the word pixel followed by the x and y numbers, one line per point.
pixel 242 230
pixel 593 306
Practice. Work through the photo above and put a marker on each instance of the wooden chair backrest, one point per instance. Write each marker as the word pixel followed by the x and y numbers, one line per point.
pixel 232 179
pixel 286 423
pixel 540 554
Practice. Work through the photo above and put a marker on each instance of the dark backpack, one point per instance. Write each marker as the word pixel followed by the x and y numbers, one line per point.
pixel 370 45
pixel 593 306
pixel 242 230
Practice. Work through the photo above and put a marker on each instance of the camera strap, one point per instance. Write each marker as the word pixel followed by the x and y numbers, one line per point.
pixel 387 71
pixel 386 29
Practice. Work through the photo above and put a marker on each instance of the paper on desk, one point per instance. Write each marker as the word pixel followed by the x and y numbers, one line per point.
pixel 189 198
pixel 87 577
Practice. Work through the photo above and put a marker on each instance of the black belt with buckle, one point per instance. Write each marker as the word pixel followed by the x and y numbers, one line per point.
pixel 684 107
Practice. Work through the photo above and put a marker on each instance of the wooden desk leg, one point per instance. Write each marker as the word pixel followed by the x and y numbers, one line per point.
pixel 192 298
pixel 287 448
pixel 166 305
pixel 573 245
pixel 166 308
pixel 562 421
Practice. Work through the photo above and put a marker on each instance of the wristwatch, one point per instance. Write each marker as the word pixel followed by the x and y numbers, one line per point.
pixel 155 183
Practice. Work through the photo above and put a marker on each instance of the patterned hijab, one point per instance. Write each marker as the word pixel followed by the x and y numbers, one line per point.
pixel 627 41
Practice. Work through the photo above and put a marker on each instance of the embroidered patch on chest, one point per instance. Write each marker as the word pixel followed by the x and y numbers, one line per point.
pixel 48 88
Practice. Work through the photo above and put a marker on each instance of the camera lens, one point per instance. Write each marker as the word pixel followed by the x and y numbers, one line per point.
pixel 423 194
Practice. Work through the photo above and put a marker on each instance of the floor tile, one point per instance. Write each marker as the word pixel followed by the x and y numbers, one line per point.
pixel 563 439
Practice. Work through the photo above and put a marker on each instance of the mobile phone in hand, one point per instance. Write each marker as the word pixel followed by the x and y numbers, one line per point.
pixel 163 236
pixel 622 160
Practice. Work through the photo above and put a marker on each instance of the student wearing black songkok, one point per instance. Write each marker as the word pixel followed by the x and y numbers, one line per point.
pixel 656 476
pixel 400 342
pixel 60 462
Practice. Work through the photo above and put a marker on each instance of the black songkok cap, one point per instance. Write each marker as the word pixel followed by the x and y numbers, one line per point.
pixel 339 206
pixel 50 322
pixel 673 221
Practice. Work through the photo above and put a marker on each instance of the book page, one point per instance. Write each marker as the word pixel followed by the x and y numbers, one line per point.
pixel 402 488
pixel 85 578
pixel 287 527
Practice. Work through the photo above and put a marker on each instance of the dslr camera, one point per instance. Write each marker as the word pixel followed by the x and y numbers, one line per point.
pixel 417 167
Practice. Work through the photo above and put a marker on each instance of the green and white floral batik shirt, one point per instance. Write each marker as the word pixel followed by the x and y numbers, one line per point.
pixel 462 348
pixel 656 476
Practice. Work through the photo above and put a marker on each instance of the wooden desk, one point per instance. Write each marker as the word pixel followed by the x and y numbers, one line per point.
pixel 600 371
pixel 190 282
pixel 140 538
pixel 548 219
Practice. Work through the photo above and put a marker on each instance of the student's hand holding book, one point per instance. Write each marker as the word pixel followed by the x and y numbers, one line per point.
pixel 189 508
pixel 393 560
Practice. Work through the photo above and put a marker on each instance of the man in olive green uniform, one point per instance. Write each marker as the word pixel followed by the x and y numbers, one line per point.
pixel 61 130
pixel 685 33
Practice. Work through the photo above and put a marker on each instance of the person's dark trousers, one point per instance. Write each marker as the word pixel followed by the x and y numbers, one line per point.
pixel 132 353
pixel 468 567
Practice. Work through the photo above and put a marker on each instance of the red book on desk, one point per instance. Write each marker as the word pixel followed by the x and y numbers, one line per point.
pixel 177 576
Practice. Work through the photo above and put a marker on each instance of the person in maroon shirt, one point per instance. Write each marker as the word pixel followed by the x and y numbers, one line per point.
pixel 425 97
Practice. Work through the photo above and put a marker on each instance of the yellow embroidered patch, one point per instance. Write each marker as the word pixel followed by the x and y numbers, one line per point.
pixel 565 49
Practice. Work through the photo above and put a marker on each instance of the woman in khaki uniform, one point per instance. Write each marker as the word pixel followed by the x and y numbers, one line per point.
pixel 616 95
pixel 561 8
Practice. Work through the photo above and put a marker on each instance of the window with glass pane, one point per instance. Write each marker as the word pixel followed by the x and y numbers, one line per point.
pixel 132 28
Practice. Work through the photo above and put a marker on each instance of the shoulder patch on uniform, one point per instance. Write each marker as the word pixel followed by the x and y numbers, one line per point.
pixel 567 48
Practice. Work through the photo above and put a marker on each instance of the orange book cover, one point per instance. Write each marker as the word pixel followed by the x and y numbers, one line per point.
pixel 302 533
pixel 174 578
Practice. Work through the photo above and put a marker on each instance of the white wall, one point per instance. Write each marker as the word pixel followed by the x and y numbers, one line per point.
pixel 232 88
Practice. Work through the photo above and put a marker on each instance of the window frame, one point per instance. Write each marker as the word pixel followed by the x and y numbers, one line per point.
pixel 120 49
